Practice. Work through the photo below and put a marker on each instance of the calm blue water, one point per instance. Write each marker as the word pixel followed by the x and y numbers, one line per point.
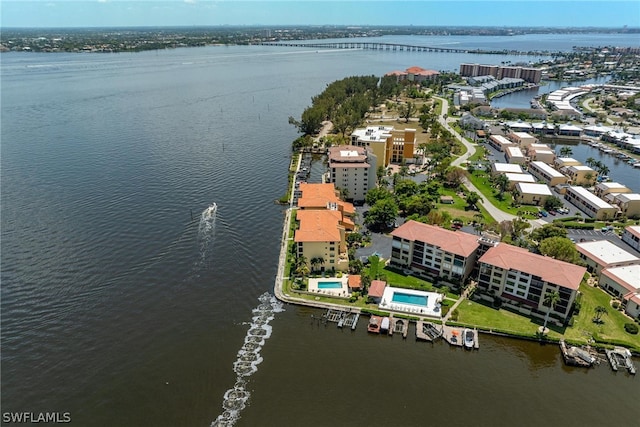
pixel 329 285
pixel 409 299
pixel 122 305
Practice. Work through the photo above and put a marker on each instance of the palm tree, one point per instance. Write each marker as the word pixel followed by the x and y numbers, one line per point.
pixel 599 310
pixel 591 162
pixel 551 298
pixel 604 170
pixel 301 268
pixel 566 151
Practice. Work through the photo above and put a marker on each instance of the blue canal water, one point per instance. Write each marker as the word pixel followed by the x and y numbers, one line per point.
pixel 125 303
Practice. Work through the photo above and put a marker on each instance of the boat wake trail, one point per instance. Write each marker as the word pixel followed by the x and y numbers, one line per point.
pixel 206 229
pixel 235 399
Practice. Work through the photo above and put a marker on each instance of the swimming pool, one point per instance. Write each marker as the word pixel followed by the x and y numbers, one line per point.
pixel 329 285
pixel 403 298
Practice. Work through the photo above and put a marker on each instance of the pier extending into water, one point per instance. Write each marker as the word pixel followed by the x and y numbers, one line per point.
pixel 620 357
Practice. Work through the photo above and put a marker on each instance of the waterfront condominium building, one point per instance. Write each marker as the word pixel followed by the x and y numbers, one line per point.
pixel 530 75
pixel 387 144
pixel 432 251
pixel 522 279
pixel 353 169
pixel 322 223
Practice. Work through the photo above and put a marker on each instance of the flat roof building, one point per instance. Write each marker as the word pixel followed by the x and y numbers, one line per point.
pixel 514 155
pixel 531 194
pixel 590 204
pixel 546 173
pixel 581 175
pixel 603 254
pixel 603 188
pixel 499 142
pixel 523 139
pixel 353 169
pixel 498 168
pixel 631 236
pixel 624 282
pixel 515 178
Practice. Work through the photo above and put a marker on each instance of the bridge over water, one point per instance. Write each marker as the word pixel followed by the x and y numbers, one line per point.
pixel 397 47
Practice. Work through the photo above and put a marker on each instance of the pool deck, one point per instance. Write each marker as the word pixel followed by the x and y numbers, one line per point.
pixel 342 291
pixel 432 309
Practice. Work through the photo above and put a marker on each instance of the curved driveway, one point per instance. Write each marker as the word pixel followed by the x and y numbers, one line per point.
pixel 496 213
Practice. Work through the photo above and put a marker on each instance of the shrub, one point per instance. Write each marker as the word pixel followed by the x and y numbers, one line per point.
pixel 454 315
pixel 578 225
pixel 631 328
pixel 615 304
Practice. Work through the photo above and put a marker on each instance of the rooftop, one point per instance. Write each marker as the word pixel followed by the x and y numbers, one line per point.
pixel 590 197
pixel 376 289
pixel 633 230
pixel 520 177
pixel 627 276
pixel 546 169
pixel 605 253
pixel 454 242
pixel 539 189
pixel 507 168
pixel 548 269
pixel 318 225
pixel 347 153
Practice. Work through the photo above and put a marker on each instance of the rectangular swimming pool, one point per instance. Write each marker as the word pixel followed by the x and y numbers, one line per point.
pixel 402 298
pixel 329 285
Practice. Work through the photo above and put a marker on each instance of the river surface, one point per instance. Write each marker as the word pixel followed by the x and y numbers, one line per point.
pixel 126 303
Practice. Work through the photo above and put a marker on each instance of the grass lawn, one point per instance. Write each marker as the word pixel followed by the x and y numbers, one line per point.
pixel 481 180
pixel 485 317
pixel 612 330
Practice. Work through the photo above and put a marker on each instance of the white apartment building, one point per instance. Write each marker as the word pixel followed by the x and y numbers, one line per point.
pixel 353 169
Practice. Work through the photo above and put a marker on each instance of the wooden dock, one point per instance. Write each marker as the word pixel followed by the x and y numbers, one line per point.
pixel 399 326
pixel 575 356
pixel 427 331
pixel 344 318
pixel 454 336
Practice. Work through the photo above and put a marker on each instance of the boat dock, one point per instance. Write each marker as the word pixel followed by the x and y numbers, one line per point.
pixel 453 336
pixel 342 317
pixel 399 326
pixel 620 357
pixel 427 331
pixel 576 356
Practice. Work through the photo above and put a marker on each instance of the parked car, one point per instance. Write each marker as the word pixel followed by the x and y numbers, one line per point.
pixel 544 213
pixel 552 213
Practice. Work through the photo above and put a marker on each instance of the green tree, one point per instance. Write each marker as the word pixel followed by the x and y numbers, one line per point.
pixel 472 199
pixel 382 213
pixel 599 312
pixel 560 248
pixel 552 203
pixel 551 298
pixel 406 111
pixel 377 193
pixel 546 231
pixel 300 266
pixel 566 151
pixel 502 182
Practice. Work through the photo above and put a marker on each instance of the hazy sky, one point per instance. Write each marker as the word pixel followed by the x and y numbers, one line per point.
pixel 113 13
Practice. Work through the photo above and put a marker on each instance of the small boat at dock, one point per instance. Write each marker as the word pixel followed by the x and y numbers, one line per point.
pixel 469 339
pixel 374 324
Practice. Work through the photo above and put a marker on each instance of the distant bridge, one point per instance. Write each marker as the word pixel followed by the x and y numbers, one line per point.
pixel 397 47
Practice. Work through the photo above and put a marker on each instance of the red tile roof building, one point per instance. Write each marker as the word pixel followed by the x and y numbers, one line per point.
pixel 323 221
pixel 521 278
pixel 376 289
pixel 414 74
pixel 434 251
